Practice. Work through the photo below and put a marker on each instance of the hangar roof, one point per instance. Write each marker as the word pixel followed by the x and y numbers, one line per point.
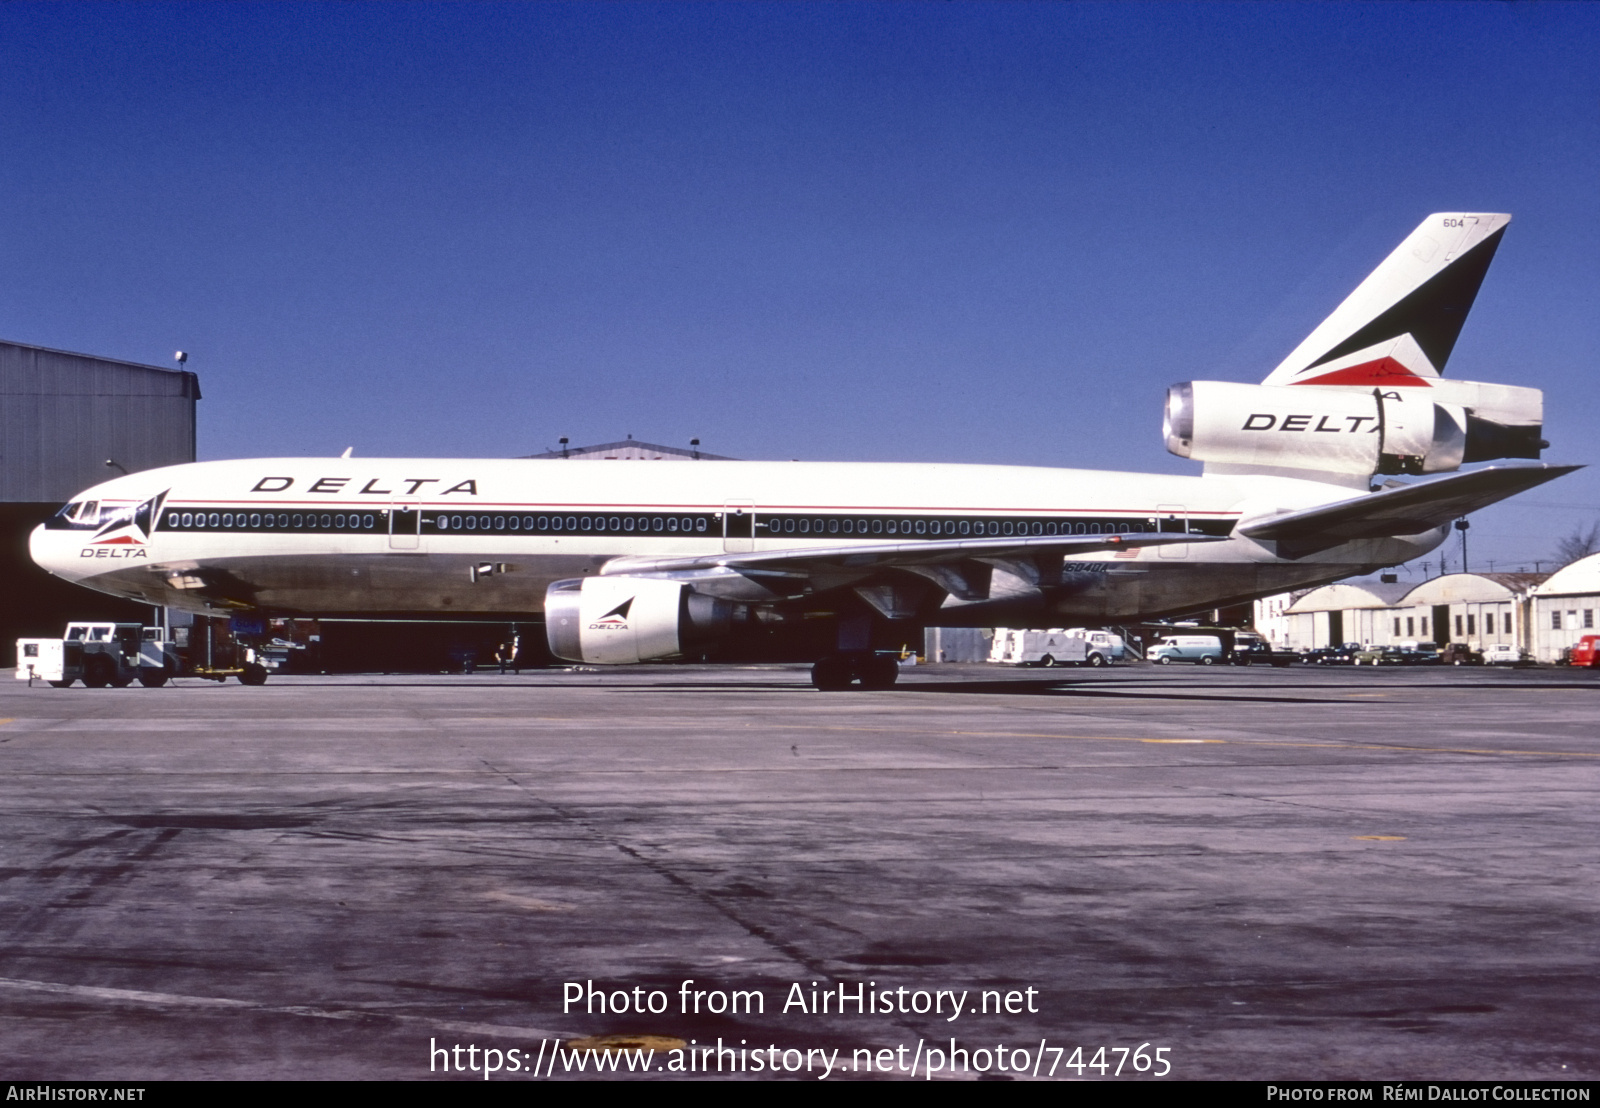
pixel 1344 596
pixel 1580 578
pixel 1452 588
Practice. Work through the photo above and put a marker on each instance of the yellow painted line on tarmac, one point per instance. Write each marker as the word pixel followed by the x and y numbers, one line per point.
pixel 1229 742
pixel 700 724
pixel 1380 838
pixel 3 722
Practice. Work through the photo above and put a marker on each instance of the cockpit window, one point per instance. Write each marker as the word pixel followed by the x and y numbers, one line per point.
pixel 81 512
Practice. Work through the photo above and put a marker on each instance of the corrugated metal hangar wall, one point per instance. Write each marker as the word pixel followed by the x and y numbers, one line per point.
pixel 62 416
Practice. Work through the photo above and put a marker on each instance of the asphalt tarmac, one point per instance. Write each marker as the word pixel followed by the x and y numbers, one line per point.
pixel 1220 873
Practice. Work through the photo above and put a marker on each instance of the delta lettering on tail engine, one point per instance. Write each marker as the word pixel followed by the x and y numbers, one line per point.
pixel 835 562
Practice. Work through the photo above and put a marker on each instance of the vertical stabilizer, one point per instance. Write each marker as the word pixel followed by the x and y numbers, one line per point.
pixel 1401 323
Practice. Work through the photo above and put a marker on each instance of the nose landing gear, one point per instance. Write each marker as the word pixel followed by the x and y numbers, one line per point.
pixel 839 671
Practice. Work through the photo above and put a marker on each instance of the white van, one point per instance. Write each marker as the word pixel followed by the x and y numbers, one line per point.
pixel 1205 650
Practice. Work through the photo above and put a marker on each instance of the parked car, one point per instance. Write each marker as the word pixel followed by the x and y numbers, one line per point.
pixel 1343 655
pixel 1460 654
pixel 1418 654
pixel 1502 654
pixel 1376 656
pixel 1260 653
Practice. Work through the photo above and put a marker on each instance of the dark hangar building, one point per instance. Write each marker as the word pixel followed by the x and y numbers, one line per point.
pixel 69 421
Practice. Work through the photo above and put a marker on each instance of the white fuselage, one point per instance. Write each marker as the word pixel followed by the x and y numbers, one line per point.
pixel 453 537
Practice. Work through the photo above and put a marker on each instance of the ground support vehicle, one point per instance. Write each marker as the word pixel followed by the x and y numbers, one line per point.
pixel 1055 647
pixel 99 654
pixel 1112 647
pixel 1205 650
pixel 1586 652
pixel 239 647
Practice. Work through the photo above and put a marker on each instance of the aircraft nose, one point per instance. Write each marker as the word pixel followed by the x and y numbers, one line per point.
pixel 50 552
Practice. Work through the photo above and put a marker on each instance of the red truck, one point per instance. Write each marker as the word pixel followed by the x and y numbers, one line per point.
pixel 1586 652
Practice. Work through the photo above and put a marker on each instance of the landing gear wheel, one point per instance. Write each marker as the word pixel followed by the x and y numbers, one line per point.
pixel 151 677
pixel 98 672
pixel 832 674
pixel 67 684
pixel 121 682
pixel 1096 661
pixel 878 672
pixel 253 675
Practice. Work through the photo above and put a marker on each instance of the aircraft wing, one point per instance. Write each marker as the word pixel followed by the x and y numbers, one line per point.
pixel 790 571
pixel 1407 510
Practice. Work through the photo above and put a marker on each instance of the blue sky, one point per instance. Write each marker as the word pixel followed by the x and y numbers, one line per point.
pixel 911 232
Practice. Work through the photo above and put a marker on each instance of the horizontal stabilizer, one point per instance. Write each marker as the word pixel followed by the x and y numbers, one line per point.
pixel 1409 510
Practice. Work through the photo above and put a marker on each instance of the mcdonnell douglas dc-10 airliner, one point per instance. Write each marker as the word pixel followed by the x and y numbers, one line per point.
pixel 833 562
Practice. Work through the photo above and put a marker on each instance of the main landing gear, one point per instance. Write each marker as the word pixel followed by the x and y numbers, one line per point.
pixel 839 671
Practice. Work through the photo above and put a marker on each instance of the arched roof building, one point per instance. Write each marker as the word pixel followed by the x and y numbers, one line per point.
pixel 1565 608
pixel 1479 609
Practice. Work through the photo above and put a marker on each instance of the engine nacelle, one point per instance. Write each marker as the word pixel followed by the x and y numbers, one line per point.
pixel 625 620
pixel 1351 430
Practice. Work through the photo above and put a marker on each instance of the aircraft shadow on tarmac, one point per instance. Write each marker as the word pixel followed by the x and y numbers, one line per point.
pixel 1116 686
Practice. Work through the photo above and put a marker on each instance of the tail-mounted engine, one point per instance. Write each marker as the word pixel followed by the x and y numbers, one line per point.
pixel 1433 428
pixel 623 620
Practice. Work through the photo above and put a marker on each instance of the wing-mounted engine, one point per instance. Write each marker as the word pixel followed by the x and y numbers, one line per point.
pixel 1434 428
pixel 625 620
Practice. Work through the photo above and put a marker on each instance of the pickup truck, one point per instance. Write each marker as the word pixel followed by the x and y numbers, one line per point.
pixel 1262 654
pixel 1502 654
pixel 1586 652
